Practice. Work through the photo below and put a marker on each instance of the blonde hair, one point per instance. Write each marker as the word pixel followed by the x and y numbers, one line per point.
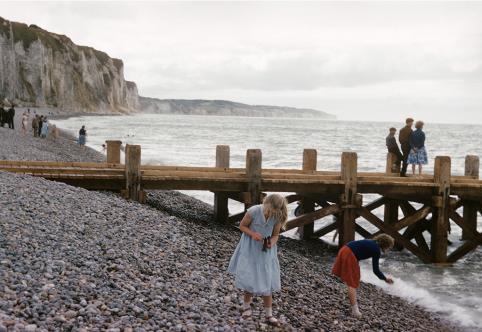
pixel 419 124
pixel 276 206
pixel 384 241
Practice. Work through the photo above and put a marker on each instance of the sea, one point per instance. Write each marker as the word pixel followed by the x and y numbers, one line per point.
pixel 455 292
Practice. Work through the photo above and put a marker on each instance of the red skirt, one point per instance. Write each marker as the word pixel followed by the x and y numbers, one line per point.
pixel 347 268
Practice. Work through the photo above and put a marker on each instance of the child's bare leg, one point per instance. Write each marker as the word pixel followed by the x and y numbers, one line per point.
pixel 420 169
pixel 268 309
pixel 247 304
pixel 354 305
pixel 413 169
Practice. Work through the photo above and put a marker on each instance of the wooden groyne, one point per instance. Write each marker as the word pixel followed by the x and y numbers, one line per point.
pixel 320 194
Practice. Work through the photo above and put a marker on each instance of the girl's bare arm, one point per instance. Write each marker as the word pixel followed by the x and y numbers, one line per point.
pixel 275 236
pixel 244 227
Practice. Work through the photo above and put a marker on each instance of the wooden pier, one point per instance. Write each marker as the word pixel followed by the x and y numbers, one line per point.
pixel 321 193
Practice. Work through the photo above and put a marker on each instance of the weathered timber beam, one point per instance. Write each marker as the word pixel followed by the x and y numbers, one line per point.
pixel 471 233
pixel 420 240
pixel 374 220
pixel 311 217
pixel 376 203
pixel 327 229
pixel 293 198
pixel 236 217
pixel 363 232
pixel 461 251
pixel 417 216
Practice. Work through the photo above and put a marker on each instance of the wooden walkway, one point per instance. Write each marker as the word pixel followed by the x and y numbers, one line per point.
pixel 320 193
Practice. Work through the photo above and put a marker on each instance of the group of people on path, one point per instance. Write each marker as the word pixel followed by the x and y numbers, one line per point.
pixel 256 268
pixel 7 116
pixel 412 143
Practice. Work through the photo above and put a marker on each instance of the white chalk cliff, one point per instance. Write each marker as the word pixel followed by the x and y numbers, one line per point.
pixel 43 69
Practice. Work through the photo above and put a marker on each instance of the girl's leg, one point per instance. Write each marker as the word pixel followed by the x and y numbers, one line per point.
pixel 247 304
pixel 268 309
pixel 413 169
pixel 420 169
pixel 354 305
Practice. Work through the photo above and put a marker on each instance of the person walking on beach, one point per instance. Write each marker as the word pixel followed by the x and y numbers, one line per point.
pixel 45 128
pixel 40 123
pixel 404 139
pixel 418 153
pixel 347 268
pixel 3 116
pixel 11 117
pixel 24 123
pixel 82 136
pixel 35 124
pixel 392 146
pixel 255 261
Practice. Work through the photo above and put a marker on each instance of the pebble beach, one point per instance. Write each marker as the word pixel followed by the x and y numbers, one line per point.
pixel 77 260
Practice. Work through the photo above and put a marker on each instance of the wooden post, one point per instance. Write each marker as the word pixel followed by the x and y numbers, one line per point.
pixel 113 152
pixel 440 220
pixel 348 199
pixel 253 172
pixel 307 205
pixel 133 172
pixel 221 211
pixel 470 208
pixel 392 165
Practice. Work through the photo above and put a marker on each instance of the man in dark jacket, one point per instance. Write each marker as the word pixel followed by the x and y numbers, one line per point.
pixel 11 117
pixel 392 146
pixel 3 115
pixel 404 139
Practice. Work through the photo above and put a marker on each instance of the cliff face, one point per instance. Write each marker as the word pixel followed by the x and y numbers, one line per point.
pixel 224 108
pixel 40 68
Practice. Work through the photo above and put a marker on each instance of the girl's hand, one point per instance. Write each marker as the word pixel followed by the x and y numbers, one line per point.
pixel 389 280
pixel 256 236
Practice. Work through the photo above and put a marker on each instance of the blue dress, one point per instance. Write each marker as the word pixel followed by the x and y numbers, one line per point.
pixel 256 271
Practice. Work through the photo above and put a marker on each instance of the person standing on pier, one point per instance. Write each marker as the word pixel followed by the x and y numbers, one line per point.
pixel 392 145
pixel 418 153
pixel 347 267
pixel 255 262
pixel 404 139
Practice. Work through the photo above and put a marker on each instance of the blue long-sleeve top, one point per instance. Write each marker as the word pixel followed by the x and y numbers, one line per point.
pixel 364 249
pixel 417 139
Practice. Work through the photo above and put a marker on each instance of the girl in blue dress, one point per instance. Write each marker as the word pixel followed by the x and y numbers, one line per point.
pixel 255 261
pixel 418 153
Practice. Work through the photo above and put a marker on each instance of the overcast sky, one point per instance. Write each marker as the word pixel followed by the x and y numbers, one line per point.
pixel 362 60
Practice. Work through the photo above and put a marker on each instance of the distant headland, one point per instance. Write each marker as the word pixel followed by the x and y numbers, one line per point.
pixel 39 68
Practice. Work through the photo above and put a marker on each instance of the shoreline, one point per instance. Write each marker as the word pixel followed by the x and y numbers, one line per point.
pixel 179 225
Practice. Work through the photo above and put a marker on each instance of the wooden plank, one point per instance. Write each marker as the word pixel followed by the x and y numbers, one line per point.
pixel 461 251
pixel 413 218
pixel 113 151
pixel 307 204
pixel 253 173
pixel 311 217
pixel 236 217
pixel 472 165
pixel 392 166
pixel 348 216
pixel 376 204
pixel 326 229
pixel 133 172
pixel 471 234
pixel 424 256
pixel 421 242
pixel 363 232
pixel 293 198
pixel 221 210
pixel 440 218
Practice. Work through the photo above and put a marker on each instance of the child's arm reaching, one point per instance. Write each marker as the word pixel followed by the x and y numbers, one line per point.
pixel 275 236
pixel 244 227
